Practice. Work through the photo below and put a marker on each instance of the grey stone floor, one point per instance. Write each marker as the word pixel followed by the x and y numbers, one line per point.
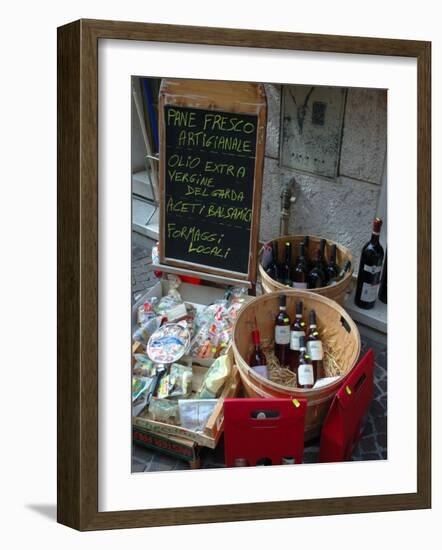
pixel 142 277
pixel 371 446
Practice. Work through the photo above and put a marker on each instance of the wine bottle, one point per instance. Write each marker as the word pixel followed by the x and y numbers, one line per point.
pixel 257 359
pixel 370 267
pixel 332 268
pixel 345 268
pixel 296 331
pixel 287 265
pixel 306 242
pixel 273 268
pixel 321 258
pixel 316 276
pixel 300 271
pixel 314 347
pixel 305 376
pixel 282 333
pixel 383 287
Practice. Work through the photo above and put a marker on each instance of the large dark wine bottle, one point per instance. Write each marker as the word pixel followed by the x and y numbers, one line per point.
pixel 383 287
pixel 370 267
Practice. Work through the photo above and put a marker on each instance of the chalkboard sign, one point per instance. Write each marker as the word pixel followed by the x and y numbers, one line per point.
pixel 208 178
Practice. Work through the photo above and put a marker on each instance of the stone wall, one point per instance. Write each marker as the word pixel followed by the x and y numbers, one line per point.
pixel 340 209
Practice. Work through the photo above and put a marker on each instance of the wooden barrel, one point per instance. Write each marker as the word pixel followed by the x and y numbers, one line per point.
pixel 336 292
pixel 340 336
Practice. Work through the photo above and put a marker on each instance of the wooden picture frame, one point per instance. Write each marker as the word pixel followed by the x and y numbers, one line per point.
pixel 77 224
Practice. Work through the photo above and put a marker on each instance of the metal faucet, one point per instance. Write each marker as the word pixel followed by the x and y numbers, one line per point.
pixel 288 197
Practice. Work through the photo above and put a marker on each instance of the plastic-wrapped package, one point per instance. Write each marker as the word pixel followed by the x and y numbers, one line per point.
pixel 144 332
pixel 172 298
pixel 214 324
pixel 178 383
pixel 143 367
pixel 140 391
pixel 169 343
pixel 194 413
pixel 146 311
pixel 164 410
pixel 215 378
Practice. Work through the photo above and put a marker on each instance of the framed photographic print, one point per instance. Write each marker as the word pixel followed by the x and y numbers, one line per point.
pixel 223 203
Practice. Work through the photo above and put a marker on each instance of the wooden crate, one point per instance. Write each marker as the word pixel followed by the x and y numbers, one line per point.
pixel 214 427
pixel 184 449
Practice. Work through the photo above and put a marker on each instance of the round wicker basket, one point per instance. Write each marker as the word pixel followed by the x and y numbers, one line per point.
pixel 340 337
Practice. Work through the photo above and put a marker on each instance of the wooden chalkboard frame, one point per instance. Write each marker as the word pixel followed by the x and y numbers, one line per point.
pixel 77 299
pixel 207 101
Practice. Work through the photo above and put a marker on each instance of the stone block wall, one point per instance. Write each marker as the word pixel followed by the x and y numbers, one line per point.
pixel 340 209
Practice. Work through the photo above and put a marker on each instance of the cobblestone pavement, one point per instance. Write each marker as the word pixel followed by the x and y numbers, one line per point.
pixel 142 277
pixel 371 446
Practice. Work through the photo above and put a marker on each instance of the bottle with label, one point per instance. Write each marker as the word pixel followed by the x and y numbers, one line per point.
pixel 300 271
pixel 332 267
pixel 316 276
pixel 383 287
pixel 287 265
pixel 305 375
pixel 257 359
pixel 297 330
pixel 272 269
pixel 370 268
pixel 314 347
pixel 282 332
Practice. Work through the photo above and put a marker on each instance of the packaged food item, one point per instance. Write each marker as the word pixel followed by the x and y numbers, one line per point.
pixel 178 383
pixel 215 378
pixel 140 392
pixel 145 313
pixel 143 332
pixel 194 413
pixel 143 367
pixel 176 313
pixel 214 325
pixel 172 298
pixel 169 343
pixel 164 410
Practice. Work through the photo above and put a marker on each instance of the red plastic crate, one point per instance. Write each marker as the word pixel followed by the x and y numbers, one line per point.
pixel 342 425
pixel 257 429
